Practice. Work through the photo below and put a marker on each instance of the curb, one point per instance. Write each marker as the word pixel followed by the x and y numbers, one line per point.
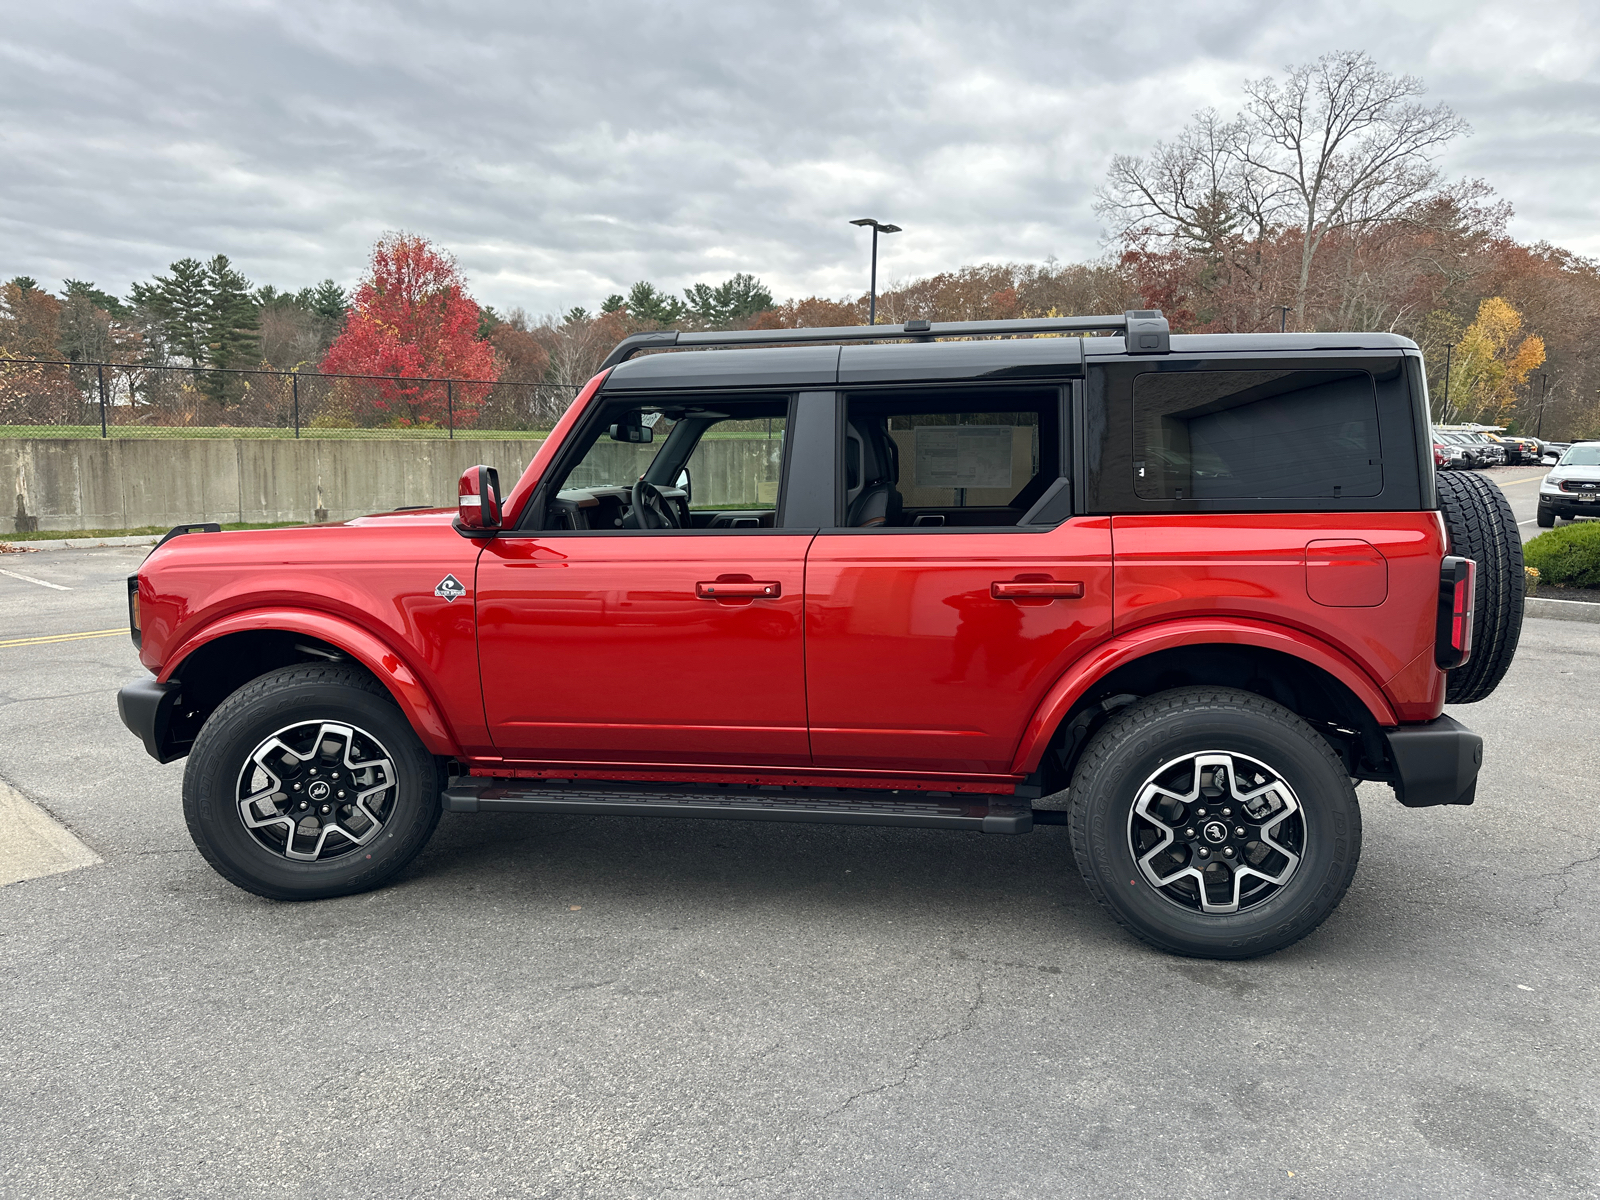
pixel 1562 610
pixel 84 543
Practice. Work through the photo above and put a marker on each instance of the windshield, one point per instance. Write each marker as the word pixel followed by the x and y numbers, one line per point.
pixel 1582 456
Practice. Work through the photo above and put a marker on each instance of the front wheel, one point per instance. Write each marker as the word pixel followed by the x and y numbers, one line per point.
pixel 1214 823
pixel 1546 518
pixel 308 783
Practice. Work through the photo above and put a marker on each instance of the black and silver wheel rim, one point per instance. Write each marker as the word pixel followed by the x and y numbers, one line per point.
pixel 318 790
pixel 1217 832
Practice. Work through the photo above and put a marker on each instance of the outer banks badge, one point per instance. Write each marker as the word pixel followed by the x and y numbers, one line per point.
pixel 450 589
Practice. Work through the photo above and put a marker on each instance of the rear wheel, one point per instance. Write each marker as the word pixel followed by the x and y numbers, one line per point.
pixel 1482 528
pixel 308 783
pixel 1214 823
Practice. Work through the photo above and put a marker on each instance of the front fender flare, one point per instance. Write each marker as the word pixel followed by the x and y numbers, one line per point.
pixel 370 651
pixel 1149 639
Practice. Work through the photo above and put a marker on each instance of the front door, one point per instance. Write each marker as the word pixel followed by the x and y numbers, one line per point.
pixel 623 649
pixel 652 627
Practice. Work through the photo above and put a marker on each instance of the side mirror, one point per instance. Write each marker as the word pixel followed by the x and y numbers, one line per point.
pixel 632 429
pixel 479 492
pixel 687 484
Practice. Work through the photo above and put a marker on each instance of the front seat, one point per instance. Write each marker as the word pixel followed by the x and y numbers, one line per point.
pixel 874 459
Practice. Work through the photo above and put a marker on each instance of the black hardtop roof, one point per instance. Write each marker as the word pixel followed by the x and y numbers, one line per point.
pixel 989 351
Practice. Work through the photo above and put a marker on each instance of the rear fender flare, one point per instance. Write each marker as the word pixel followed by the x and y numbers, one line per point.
pixel 1137 643
pixel 371 652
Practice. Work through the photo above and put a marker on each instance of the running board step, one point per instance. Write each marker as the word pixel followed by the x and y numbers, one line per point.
pixel 983 814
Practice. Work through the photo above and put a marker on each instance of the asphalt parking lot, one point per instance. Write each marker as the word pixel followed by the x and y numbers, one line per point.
pixel 553 1006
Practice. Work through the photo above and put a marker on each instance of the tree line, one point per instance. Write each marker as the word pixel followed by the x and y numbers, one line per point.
pixel 1318 206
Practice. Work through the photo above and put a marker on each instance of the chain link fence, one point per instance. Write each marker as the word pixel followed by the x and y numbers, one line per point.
pixel 66 399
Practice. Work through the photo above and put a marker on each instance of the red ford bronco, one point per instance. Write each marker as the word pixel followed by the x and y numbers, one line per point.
pixel 917 575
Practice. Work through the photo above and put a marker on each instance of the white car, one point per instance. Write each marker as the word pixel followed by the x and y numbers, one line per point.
pixel 1572 489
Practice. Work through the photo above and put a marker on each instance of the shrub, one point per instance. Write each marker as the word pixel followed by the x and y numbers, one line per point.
pixel 1567 557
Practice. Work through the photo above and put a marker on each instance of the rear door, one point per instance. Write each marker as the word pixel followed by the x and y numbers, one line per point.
pixel 933 634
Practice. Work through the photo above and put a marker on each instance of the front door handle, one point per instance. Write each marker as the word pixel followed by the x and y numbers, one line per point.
pixel 1036 589
pixel 727 589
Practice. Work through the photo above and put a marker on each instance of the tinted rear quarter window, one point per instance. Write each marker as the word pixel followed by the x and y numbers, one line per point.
pixel 1338 431
pixel 1219 435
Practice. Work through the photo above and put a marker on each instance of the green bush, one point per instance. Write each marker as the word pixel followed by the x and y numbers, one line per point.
pixel 1567 557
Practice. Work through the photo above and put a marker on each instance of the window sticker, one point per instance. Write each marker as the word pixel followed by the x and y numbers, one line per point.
pixel 963 456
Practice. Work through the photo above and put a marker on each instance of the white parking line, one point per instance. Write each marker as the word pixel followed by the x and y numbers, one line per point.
pixel 30 579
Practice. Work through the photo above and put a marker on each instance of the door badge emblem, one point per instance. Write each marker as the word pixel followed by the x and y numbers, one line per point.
pixel 450 589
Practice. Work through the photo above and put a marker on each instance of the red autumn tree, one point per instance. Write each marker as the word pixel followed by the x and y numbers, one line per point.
pixel 411 319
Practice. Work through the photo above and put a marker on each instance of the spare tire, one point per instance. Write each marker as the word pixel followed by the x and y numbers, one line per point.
pixel 1478 519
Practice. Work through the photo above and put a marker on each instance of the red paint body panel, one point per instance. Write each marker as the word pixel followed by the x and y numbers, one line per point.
pixel 1166 635
pixel 913 663
pixel 366 586
pixel 1253 566
pixel 599 649
pixel 1346 573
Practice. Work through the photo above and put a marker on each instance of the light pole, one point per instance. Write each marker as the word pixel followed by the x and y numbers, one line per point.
pixel 1544 391
pixel 877 228
pixel 1283 318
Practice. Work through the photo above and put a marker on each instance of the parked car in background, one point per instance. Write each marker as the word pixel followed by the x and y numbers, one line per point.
pixel 1473 454
pixel 1572 490
pixel 1490 453
pixel 1519 450
pixel 1552 452
pixel 1447 455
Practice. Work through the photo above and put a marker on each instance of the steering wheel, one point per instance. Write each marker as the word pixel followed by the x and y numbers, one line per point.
pixel 650 508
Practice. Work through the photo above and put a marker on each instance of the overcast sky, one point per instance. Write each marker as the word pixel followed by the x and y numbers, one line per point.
pixel 563 151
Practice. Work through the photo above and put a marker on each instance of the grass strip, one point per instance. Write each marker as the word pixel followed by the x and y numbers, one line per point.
pixel 56 535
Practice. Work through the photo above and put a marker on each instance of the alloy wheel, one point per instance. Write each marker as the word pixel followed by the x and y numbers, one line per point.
pixel 1216 831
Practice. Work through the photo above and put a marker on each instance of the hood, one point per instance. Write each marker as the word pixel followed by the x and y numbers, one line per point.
pixel 1586 474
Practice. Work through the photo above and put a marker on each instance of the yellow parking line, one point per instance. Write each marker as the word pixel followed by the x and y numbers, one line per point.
pixel 64 637
pixel 1514 482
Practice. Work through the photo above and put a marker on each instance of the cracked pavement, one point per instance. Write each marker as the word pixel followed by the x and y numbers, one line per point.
pixel 567 1006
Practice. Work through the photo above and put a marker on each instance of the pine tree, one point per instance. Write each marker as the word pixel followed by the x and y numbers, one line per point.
pixel 232 318
pixel 176 306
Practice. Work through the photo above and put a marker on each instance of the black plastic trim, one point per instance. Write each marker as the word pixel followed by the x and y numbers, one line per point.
pixel 1436 763
pixel 923 810
pixel 180 530
pixel 145 707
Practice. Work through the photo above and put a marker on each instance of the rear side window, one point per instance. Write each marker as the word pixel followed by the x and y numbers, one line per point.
pixel 1222 435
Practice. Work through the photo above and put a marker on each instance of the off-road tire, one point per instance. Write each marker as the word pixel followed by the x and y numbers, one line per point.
pixel 1481 526
pixel 277 700
pixel 1162 728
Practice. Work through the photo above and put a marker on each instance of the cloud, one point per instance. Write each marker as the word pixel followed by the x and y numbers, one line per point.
pixel 563 152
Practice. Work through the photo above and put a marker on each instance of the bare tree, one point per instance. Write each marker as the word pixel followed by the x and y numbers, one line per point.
pixel 1339 145
pixel 1346 143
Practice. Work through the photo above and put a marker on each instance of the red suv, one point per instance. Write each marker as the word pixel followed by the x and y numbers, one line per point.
pixel 919 575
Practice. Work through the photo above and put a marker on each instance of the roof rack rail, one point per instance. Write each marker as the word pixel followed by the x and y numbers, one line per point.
pixel 1146 331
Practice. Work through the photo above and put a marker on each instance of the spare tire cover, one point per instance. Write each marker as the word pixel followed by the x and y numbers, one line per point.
pixel 1481 527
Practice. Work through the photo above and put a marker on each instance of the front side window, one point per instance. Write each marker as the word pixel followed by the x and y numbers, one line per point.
pixel 1204 435
pixel 710 462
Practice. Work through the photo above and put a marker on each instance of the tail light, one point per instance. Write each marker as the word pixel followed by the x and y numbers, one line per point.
pixel 1458 580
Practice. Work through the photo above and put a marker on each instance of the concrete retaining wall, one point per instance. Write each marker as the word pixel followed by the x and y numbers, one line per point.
pixel 126 483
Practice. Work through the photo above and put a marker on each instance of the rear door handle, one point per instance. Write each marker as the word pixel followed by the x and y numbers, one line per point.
pixel 722 589
pixel 1035 589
